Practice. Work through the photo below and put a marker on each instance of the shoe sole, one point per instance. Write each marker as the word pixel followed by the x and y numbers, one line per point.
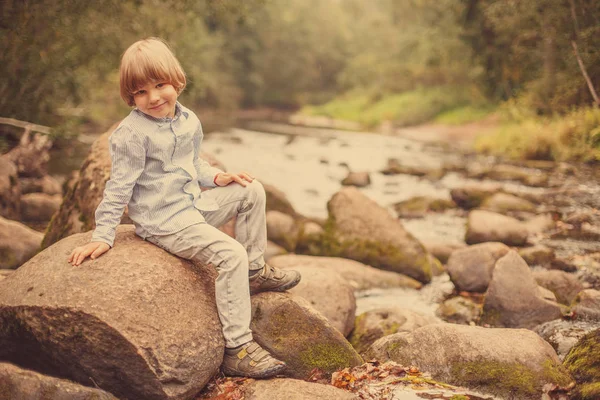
pixel 282 288
pixel 267 373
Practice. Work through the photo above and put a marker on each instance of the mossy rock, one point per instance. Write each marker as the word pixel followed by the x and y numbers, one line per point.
pixel 583 362
pixel 420 205
pixel 291 330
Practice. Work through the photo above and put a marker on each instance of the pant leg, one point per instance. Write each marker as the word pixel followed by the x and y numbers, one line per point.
pixel 208 245
pixel 249 205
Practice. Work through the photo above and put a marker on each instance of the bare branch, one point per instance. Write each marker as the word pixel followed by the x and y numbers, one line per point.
pixel 585 74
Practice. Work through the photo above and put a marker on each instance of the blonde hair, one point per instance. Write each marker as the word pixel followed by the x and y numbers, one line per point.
pixel 146 61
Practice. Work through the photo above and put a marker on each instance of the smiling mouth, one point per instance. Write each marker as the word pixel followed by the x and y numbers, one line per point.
pixel 158 106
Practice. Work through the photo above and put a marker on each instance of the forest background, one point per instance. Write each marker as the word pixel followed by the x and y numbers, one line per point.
pixel 532 66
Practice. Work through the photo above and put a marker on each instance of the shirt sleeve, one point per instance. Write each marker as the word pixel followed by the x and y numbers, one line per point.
pixel 128 155
pixel 206 173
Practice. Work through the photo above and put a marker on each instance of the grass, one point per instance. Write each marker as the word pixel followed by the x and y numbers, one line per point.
pixel 571 137
pixel 452 104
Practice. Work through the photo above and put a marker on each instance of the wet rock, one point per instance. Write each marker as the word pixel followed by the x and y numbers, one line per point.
pixel 46 184
pixel 338 305
pixel 375 324
pixel 537 255
pixel 503 203
pixel 395 168
pixel 564 285
pixel 419 206
pixel 563 334
pixel 294 389
pixel 18 243
pixel 530 177
pixel 513 299
pixel 282 229
pixel 360 229
pixel 10 190
pixel 359 275
pixel 487 226
pixel 442 250
pixel 139 321
pixel 39 207
pixel 20 384
pixel 509 363
pixel 278 201
pixel 459 310
pixel 472 196
pixel 294 332
pixel 471 268
pixel 587 305
pixel 358 179
pixel 273 250
pixel 582 362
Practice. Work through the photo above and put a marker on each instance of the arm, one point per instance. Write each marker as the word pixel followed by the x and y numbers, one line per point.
pixel 206 173
pixel 128 157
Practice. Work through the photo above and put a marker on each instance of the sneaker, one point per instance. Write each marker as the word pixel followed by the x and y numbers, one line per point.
pixel 272 279
pixel 251 361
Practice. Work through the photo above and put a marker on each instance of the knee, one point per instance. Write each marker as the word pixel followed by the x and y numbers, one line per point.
pixel 234 256
pixel 256 193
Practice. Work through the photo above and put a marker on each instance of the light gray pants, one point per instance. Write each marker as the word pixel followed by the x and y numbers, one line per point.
pixel 231 257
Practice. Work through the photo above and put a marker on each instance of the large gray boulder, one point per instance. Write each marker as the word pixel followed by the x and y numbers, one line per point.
pixel 20 384
pixel 294 389
pixel 487 226
pixel 330 294
pixel 39 207
pixel 138 321
pixel 359 275
pixel 471 268
pixel 18 243
pixel 360 229
pixel 10 190
pixel 294 332
pixel 510 363
pixel 514 299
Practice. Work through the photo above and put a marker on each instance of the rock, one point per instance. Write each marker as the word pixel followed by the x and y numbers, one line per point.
pixel 18 243
pixel 539 223
pixel 359 179
pixel 293 389
pixel 359 275
pixel 564 285
pixel 282 229
pixel 420 205
pixel 513 299
pixel 582 362
pixel 76 213
pixel 32 154
pixel 273 250
pixel 5 273
pixel 277 201
pixel 39 207
pixel 139 321
pixel 530 177
pixel 338 305
pixel 360 229
pixel 471 268
pixel 471 196
pixel 20 384
pixel 395 168
pixel 509 363
pixel 441 250
pixel 375 324
pixel 291 330
pixel 459 310
pixel 309 232
pixel 46 184
pixel 487 226
pixel 504 202
pixel 10 190
pixel 587 305
pixel 563 334
pixel 537 255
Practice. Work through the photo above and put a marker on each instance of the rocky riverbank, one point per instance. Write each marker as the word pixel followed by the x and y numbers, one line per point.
pixel 508 255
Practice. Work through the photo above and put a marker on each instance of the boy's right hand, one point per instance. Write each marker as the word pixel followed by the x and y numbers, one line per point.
pixel 92 250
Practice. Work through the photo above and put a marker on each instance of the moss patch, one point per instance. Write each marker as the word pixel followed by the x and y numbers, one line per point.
pixel 583 362
pixel 326 357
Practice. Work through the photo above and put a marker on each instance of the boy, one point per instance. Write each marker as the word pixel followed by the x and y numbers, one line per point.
pixel 157 171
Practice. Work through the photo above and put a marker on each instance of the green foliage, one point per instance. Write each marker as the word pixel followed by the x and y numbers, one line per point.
pixel 464 114
pixel 574 136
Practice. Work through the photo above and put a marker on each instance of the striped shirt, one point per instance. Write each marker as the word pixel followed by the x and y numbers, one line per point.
pixel 157 171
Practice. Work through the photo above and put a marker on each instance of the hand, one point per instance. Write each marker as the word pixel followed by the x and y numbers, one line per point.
pixel 224 178
pixel 93 250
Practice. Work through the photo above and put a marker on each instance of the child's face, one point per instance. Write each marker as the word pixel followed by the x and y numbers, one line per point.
pixel 156 99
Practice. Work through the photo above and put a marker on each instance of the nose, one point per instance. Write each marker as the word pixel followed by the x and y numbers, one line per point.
pixel 154 97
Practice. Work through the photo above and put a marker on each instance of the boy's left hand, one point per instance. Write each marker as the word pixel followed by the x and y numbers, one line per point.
pixel 225 178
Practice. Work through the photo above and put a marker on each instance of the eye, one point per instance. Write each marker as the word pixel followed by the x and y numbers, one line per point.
pixel 139 92
pixel 160 85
